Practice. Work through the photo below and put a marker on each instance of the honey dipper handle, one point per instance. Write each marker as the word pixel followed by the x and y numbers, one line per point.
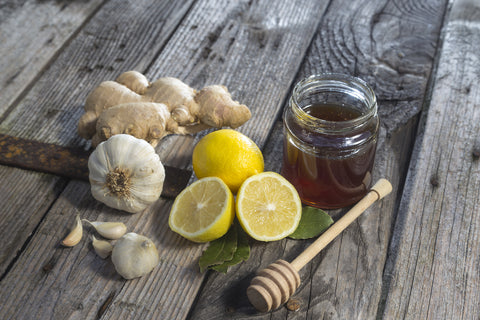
pixel 377 192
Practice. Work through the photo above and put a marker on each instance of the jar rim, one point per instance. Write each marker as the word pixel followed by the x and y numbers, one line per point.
pixel 334 79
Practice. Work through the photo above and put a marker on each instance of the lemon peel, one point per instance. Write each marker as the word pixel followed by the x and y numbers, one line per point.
pixel 229 155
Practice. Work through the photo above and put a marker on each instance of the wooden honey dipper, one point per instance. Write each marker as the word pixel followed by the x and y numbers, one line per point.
pixel 274 285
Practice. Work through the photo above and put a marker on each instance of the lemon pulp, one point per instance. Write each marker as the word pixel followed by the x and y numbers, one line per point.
pixel 268 207
pixel 204 211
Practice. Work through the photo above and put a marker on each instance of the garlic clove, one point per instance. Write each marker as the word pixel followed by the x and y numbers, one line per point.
pixel 102 248
pixel 134 256
pixel 109 230
pixel 75 234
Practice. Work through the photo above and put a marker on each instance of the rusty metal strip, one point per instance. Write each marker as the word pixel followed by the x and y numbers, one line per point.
pixel 69 162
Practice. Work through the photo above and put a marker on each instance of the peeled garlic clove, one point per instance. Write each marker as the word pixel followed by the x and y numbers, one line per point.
pixel 102 248
pixel 109 230
pixel 75 235
pixel 134 256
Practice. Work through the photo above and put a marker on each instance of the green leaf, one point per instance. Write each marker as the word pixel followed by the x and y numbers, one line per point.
pixel 241 254
pixel 313 222
pixel 219 250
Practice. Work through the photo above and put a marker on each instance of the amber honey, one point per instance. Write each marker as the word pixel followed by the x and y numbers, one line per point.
pixel 330 143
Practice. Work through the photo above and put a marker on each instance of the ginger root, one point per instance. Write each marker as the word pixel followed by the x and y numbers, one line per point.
pixel 150 111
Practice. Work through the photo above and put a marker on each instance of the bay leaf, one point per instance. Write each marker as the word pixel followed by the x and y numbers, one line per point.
pixel 219 251
pixel 241 254
pixel 314 221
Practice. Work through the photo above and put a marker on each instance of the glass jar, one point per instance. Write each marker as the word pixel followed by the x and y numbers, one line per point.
pixel 330 137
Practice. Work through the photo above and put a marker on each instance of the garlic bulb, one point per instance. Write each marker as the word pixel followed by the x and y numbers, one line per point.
pixel 125 173
pixel 134 256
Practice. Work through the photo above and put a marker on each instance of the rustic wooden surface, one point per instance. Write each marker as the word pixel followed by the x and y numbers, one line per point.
pixel 414 255
pixel 434 270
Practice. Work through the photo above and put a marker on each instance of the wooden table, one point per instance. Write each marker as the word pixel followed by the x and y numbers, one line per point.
pixel 414 255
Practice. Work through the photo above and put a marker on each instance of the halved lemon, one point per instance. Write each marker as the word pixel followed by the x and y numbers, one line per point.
pixel 203 211
pixel 268 207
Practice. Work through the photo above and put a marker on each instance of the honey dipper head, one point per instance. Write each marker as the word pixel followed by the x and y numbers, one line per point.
pixel 273 286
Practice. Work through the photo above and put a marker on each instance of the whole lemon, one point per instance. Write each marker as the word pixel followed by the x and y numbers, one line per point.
pixel 228 155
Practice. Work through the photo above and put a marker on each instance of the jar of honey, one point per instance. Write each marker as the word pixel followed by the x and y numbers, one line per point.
pixel 330 137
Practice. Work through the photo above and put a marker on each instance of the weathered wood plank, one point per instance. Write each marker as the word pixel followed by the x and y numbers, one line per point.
pixel 25 199
pixel 345 280
pixel 31 34
pixel 434 268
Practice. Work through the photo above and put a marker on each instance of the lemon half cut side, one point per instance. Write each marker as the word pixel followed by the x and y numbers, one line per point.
pixel 204 211
pixel 268 207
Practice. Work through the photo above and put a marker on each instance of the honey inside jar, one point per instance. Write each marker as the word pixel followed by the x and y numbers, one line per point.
pixel 329 149
pixel 332 112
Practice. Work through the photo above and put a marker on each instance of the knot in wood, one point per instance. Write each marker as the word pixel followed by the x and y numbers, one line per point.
pixel 476 151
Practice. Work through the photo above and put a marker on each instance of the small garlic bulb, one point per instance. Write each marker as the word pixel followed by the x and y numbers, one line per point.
pixel 125 173
pixel 134 256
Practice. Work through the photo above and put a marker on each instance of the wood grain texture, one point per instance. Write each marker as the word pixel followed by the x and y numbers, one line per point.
pixel 25 199
pixel 31 35
pixel 435 271
pixel 345 280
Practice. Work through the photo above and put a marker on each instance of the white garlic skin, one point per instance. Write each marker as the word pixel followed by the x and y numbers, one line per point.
pixel 139 164
pixel 102 248
pixel 109 230
pixel 134 256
